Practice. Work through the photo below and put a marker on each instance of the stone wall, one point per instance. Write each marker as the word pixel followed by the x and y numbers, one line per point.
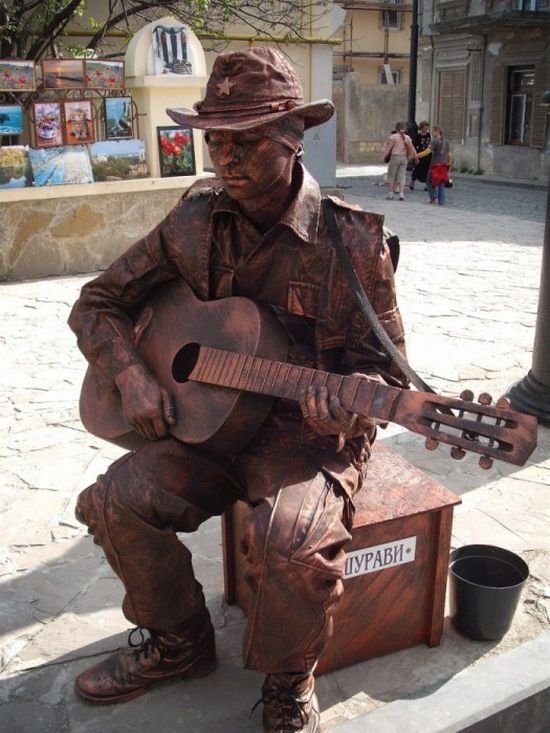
pixel 367 114
pixel 60 232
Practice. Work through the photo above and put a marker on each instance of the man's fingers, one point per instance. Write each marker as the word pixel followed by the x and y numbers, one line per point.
pixel 168 408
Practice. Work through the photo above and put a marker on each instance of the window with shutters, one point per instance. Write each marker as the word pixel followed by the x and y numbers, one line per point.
pixel 392 18
pixel 519 104
pixel 452 104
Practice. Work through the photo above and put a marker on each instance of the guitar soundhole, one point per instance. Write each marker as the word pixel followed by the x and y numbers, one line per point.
pixel 184 362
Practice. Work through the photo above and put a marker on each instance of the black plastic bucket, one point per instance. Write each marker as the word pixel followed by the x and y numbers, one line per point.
pixel 485 587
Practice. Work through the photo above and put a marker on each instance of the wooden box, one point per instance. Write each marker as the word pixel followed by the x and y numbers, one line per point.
pixel 396 567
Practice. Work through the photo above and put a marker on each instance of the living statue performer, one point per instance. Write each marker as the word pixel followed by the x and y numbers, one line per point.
pixel 258 231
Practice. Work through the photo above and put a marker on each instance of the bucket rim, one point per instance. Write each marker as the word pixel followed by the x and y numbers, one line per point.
pixel 491 552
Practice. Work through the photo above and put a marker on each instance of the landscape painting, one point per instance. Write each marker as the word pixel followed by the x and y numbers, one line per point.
pixel 11 119
pixel 79 125
pixel 117 160
pixel 118 117
pixel 104 74
pixel 62 165
pixel 176 153
pixel 17 76
pixel 47 124
pixel 63 73
pixel 15 166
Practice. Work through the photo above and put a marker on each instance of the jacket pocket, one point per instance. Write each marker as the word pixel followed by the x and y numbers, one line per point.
pixel 303 299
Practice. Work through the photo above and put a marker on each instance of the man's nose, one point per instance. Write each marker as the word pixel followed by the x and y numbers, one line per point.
pixel 230 153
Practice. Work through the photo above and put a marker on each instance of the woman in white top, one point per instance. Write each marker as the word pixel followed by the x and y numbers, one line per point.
pixel 400 146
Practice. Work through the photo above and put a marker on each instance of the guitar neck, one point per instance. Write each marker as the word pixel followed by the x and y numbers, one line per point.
pixel 491 431
pixel 288 381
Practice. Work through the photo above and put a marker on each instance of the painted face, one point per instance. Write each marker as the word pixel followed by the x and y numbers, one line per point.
pixel 250 164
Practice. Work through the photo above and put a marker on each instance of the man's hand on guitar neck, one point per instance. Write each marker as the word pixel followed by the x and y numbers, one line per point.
pixel 148 407
pixel 324 414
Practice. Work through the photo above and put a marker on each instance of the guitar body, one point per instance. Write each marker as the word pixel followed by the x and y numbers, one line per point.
pixel 168 332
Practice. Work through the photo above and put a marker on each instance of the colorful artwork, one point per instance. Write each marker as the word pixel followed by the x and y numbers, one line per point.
pixel 15 166
pixel 63 165
pixel 11 119
pixel 17 76
pixel 118 118
pixel 118 160
pixel 104 74
pixel 170 50
pixel 79 126
pixel 47 124
pixel 176 153
pixel 63 73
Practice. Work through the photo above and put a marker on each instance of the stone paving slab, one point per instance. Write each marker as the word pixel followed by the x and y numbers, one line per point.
pixel 470 319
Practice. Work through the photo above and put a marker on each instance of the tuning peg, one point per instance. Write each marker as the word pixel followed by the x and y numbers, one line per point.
pixel 467 395
pixel 484 398
pixel 485 462
pixel 431 443
pixel 457 453
pixel 503 403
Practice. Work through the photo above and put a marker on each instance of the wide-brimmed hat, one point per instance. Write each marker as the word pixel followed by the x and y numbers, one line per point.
pixel 251 88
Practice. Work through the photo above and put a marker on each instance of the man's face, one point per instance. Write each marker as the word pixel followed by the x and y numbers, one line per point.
pixel 249 163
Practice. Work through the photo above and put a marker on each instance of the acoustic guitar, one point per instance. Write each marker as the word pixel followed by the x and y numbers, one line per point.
pixel 224 363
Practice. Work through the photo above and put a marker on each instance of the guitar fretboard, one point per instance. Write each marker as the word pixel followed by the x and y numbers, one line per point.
pixel 289 381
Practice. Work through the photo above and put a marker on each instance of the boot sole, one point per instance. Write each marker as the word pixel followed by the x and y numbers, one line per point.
pixel 105 700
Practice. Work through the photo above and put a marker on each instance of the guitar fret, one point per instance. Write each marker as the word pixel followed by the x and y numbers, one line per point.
pixel 232 380
pixel 209 365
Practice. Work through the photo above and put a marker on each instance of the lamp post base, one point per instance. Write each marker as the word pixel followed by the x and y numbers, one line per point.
pixel 532 396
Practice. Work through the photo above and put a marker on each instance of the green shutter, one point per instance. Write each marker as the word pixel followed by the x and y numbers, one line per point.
pixel 542 84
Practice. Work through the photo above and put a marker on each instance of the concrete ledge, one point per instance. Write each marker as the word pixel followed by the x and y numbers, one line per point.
pixel 508 693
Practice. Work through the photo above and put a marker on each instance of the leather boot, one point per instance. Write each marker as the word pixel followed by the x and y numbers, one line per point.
pixel 290 704
pixel 190 652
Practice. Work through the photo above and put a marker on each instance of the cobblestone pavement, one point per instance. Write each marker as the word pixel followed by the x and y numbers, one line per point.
pixel 468 291
pixel 469 193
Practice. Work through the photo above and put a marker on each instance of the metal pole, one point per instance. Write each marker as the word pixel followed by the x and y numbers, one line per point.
pixel 532 393
pixel 413 63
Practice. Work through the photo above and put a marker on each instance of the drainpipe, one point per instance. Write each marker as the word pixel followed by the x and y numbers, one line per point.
pixel 413 60
pixel 481 103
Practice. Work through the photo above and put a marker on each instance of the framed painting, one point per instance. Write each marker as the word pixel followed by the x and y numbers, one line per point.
pixel 104 74
pixel 11 119
pixel 15 167
pixel 47 124
pixel 61 165
pixel 118 160
pixel 17 76
pixel 176 152
pixel 79 124
pixel 63 73
pixel 118 117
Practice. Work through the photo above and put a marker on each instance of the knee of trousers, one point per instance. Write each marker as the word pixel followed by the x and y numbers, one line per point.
pixel 117 492
pixel 299 538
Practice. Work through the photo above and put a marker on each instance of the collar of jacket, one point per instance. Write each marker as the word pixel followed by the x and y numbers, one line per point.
pixel 302 216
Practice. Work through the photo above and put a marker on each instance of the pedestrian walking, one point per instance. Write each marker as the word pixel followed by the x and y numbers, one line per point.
pixel 421 143
pixel 398 149
pixel 440 166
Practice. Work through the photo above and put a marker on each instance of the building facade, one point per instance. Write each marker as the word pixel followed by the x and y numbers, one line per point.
pixel 371 75
pixel 483 66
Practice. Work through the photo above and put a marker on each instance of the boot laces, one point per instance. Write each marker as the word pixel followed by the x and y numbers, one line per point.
pixel 147 644
pixel 290 710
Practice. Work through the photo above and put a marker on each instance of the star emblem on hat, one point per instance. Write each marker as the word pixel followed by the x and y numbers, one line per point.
pixel 225 87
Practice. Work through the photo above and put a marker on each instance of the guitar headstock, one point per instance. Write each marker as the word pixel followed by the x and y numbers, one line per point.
pixel 494 431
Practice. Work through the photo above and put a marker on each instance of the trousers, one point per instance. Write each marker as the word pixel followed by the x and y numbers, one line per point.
pixel 293 542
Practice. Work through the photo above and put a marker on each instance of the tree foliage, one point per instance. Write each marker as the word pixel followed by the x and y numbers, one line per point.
pixel 34 29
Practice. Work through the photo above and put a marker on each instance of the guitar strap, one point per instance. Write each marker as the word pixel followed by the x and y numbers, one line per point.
pixel 364 303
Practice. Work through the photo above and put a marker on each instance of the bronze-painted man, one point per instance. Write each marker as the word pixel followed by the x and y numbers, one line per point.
pixel 258 232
